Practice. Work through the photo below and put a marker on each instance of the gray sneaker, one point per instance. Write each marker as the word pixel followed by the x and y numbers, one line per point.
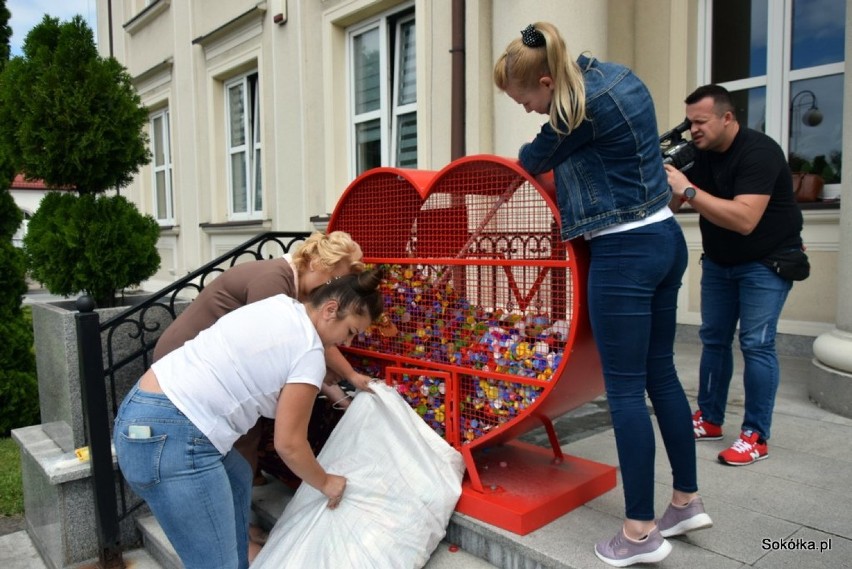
pixel 621 552
pixel 679 520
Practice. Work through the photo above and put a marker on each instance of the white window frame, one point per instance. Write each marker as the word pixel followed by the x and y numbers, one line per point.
pixel 250 148
pixel 389 111
pixel 165 168
pixel 778 79
pixel 399 110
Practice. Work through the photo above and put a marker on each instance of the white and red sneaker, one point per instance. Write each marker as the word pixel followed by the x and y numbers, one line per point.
pixel 703 430
pixel 750 447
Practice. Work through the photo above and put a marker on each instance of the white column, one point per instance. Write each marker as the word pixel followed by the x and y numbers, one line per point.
pixel 831 384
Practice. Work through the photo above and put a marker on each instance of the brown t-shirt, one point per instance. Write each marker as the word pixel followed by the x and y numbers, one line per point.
pixel 240 285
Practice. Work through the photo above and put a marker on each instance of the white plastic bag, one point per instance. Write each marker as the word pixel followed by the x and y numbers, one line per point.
pixel 403 482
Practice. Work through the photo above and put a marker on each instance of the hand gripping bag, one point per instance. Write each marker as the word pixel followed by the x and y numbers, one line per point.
pixel 403 482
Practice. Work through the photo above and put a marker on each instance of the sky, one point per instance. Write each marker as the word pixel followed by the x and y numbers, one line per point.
pixel 28 13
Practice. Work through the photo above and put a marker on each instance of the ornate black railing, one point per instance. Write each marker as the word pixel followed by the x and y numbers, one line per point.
pixel 113 354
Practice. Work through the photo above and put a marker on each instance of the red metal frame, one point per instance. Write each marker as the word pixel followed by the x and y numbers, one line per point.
pixel 494 337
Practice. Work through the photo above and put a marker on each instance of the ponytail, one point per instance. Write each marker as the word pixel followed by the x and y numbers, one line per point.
pixel 542 51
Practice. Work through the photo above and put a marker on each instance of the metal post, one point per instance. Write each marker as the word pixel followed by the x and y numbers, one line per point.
pixel 458 90
pixel 95 411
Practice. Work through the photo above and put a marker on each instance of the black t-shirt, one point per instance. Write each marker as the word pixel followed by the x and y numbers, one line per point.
pixel 754 164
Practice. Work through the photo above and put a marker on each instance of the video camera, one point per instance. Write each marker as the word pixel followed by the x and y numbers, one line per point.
pixel 676 151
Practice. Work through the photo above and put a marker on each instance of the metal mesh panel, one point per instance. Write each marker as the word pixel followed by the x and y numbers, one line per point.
pixel 520 333
pixel 427 393
pixel 379 214
pixel 486 404
pixel 478 290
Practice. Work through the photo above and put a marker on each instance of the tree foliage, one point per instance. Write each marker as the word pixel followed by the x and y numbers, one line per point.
pixel 68 116
pixel 19 405
pixel 12 269
pixel 73 120
pixel 5 34
pixel 95 244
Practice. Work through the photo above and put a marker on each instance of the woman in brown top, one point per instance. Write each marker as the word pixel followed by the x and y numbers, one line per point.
pixel 319 259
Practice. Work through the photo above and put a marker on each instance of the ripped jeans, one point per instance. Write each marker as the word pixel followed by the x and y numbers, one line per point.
pixel 753 295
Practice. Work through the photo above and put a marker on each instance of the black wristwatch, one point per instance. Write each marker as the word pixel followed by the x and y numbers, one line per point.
pixel 688 194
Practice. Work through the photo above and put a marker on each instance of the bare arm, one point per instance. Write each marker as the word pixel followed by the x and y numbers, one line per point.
pixel 337 362
pixel 334 393
pixel 295 403
pixel 741 214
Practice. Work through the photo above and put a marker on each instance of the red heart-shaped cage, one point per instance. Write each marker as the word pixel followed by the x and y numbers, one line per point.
pixel 486 332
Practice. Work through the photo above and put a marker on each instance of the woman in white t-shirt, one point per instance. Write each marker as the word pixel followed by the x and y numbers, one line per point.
pixel 175 430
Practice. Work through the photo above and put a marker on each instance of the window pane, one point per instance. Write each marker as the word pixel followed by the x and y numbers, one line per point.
pixel 818 32
pixel 237 113
pixel 407 66
pixel 160 180
pixel 255 110
pixel 368 145
pixel 816 119
pixel 166 140
pixel 238 182
pixel 258 191
pixel 751 107
pixel 366 62
pixel 406 141
pixel 739 39
pixel 159 158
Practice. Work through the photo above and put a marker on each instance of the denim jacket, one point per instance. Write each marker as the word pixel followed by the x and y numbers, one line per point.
pixel 609 170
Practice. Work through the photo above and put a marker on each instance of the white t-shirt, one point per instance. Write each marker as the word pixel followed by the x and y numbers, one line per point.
pixel 229 375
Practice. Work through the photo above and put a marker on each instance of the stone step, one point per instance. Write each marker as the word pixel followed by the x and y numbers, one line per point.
pixel 156 543
pixel 478 545
pixel 469 542
pixel 270 500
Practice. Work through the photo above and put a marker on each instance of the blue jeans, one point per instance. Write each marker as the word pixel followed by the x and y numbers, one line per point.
pixel 201 498
pixel 634 277
pixel 753 295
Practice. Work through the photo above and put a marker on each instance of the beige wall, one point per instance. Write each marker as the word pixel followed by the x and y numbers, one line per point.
pixel 656 39
pixel 180 56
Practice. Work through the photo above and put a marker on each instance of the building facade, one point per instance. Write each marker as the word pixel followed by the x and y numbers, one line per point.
pixel 262 113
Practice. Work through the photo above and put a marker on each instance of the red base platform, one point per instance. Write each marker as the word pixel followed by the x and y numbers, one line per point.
pixel 525 488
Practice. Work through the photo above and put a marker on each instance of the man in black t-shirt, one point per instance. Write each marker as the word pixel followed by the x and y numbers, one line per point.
pixel 741 186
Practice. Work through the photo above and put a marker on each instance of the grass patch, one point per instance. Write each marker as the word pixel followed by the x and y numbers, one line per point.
pixel 11 488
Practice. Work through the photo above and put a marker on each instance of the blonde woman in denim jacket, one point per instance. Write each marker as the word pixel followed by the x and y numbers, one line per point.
pixel 601 143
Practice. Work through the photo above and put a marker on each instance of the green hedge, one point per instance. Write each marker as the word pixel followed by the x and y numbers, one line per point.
pixel 19 405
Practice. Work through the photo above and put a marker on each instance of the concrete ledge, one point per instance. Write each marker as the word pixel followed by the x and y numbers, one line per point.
pixel 497 547
pixel 58 465
pixel 59 501
pixel 830 389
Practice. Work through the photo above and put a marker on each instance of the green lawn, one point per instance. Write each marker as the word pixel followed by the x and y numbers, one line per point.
pixel 11 490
